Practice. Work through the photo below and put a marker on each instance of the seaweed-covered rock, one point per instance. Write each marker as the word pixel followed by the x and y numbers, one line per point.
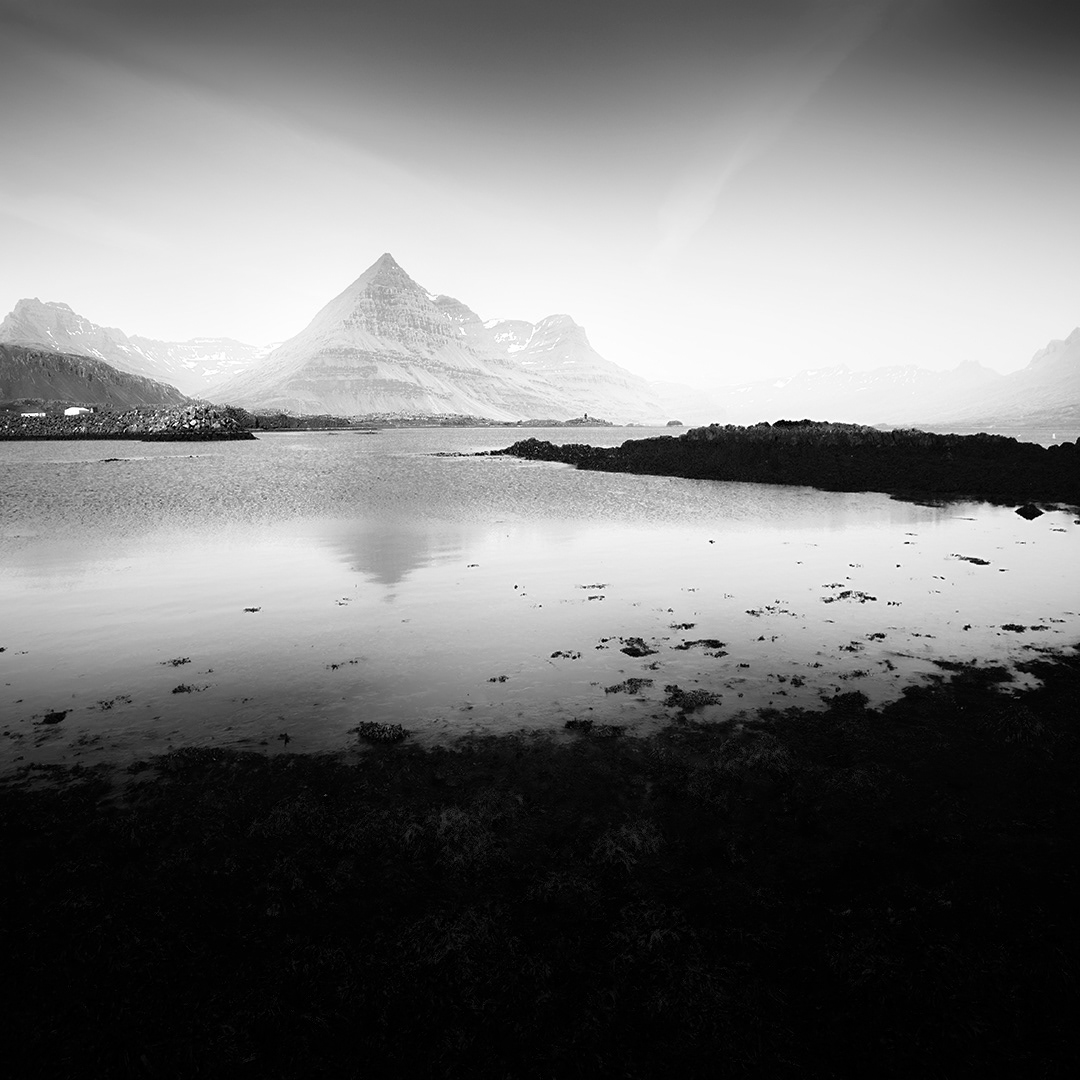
pixel 371 732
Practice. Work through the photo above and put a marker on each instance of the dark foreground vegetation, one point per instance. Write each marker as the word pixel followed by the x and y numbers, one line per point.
pixel 842 457
pixel 851 893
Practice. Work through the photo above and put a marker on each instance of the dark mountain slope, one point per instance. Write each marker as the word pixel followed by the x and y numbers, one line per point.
pixel 30 372
pixel 190 365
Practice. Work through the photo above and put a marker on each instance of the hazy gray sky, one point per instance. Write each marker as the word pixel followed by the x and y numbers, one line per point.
pixel 716 191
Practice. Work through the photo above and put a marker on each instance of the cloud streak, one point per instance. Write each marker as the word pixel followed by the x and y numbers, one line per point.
pixel 775 94
pixel 70 217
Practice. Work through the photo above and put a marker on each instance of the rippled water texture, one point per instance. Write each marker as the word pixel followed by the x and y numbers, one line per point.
pixel 454 594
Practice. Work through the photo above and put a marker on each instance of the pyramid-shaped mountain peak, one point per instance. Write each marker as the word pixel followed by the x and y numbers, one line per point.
pixel 384 265
pixel 388 345
pixel 384 271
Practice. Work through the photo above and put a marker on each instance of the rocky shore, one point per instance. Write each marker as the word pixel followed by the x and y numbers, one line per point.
pixel 849 893
pixel 184 423
pixel 907 464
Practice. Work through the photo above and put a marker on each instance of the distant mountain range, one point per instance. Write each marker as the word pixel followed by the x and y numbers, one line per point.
pixel 188 365
pixel 387 345
pixel 882 395
pixel 40 374
pixel 1044 396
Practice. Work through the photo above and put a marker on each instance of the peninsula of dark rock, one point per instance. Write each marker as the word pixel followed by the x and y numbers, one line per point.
pixel 190 423
pixel 907 464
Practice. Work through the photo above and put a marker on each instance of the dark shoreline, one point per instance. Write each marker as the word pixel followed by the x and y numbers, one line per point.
pixel 910 465
pixel 185 423
pixel 132 436
pixel 855 892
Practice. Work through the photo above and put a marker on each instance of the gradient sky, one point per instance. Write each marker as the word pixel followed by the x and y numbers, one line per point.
pixel 716 191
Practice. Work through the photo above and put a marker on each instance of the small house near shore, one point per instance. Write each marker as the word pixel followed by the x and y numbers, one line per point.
pixel 32 414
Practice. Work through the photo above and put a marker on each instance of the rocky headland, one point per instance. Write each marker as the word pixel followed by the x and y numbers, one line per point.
pixel 196 423
pixel 907 464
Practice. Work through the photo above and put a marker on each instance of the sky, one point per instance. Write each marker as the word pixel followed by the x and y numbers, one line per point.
pixel 717 191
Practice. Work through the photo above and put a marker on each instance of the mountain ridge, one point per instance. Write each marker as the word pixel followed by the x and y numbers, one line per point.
pixel 45 375
pixel 385 344
pixel 188 365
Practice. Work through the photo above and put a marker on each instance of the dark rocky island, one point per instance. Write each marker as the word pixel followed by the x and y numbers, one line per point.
pixel 907 464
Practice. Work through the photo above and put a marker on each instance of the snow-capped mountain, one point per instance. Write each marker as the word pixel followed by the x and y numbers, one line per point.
pixel 386 345
pixel 190 365
pixel 197 364
pixel 558 351
pixel 510 335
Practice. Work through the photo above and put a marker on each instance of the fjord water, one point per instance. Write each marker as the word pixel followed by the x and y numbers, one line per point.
pixel 455 594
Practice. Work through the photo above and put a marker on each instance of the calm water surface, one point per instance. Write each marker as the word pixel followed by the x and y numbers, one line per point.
pixel 455 594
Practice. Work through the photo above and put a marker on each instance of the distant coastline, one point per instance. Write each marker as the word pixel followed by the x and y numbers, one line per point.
pixel 465 420
pixel 906 464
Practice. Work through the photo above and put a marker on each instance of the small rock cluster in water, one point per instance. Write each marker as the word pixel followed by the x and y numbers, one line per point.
pixel 380 733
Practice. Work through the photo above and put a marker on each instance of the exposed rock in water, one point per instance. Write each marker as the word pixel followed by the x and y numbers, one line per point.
pixel 841 457
pixel 1029 511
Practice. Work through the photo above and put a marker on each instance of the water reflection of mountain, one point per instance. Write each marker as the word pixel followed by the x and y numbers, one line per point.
pixel 388 551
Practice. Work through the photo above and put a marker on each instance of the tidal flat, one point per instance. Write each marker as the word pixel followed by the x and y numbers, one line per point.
pixel 693 772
